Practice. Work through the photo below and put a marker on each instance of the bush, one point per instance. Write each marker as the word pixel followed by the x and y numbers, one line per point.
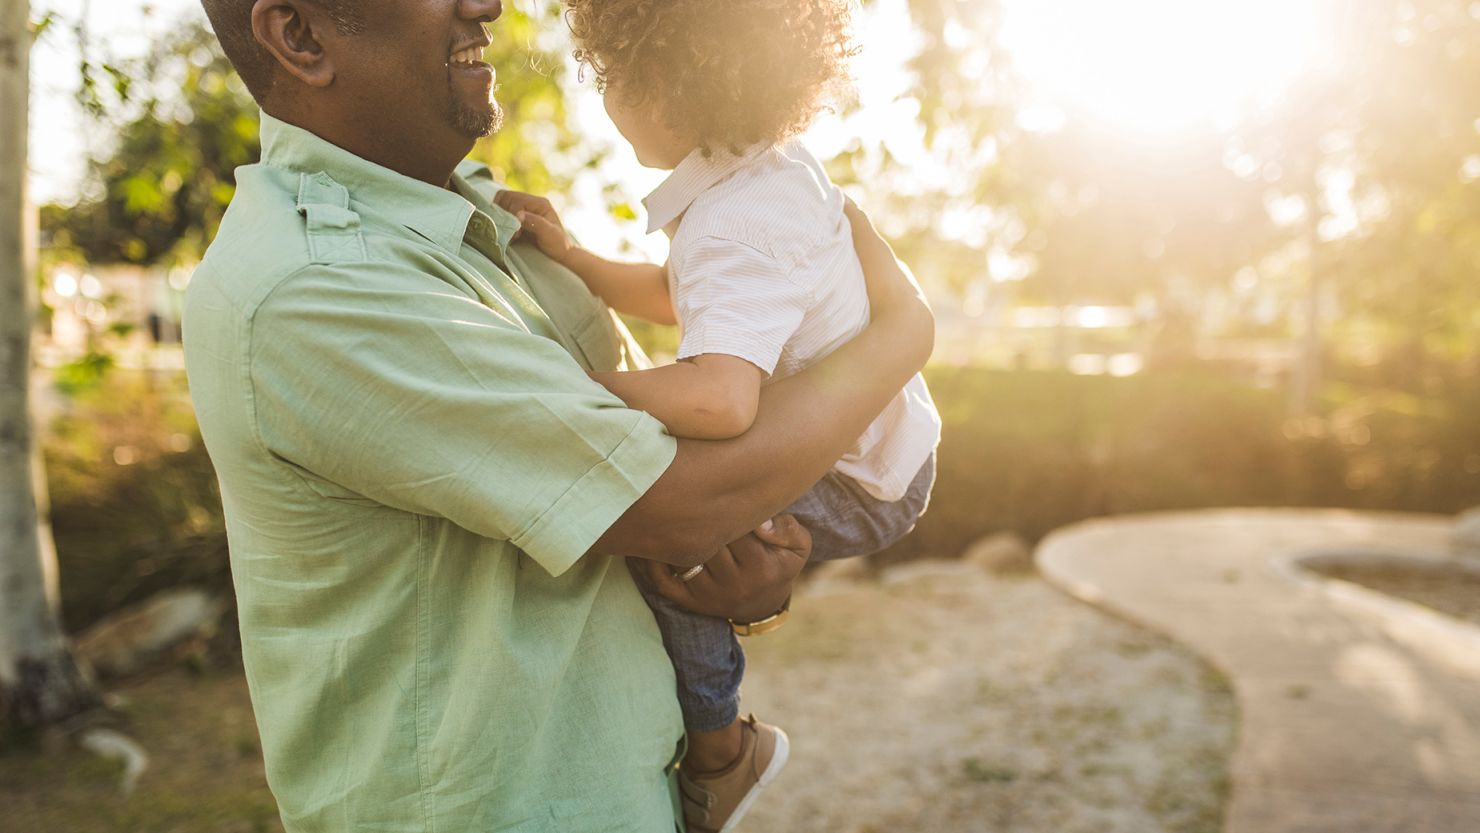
pixel 134 503
pixel 1032 451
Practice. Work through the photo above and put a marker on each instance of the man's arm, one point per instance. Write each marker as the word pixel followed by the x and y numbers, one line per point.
pixel 716 491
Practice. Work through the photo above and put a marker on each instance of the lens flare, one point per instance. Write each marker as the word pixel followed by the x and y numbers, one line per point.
pixel 1159 66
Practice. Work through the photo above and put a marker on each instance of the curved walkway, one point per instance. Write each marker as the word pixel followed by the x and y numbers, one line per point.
pixel 1357 714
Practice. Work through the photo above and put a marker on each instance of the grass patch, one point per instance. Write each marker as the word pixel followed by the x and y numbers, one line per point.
pixel 983 773
pixel 205 770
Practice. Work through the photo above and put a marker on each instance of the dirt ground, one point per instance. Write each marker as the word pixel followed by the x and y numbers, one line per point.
pixel 946 700
pixel 940 700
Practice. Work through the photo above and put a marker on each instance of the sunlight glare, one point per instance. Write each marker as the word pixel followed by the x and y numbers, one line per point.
pixel 1158 66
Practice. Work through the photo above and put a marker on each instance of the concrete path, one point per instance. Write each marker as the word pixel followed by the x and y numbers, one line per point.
pixel 1358 714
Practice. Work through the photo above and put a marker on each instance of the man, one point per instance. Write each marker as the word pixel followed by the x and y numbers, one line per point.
pixel 424 489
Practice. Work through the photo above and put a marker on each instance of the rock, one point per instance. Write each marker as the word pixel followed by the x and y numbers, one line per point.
pixel 125 641
pixel 1000 553
pixel 116 746
pixel 1466 535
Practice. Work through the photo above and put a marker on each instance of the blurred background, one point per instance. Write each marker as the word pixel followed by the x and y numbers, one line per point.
pixel 1183 253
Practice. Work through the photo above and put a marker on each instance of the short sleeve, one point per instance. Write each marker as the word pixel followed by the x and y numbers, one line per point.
pixel 736 300
pixel 395 386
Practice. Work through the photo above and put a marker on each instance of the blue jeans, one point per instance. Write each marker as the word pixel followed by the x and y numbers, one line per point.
pixel 844 521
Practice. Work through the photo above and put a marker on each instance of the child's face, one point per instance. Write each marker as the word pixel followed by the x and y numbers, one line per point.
pixel 655 144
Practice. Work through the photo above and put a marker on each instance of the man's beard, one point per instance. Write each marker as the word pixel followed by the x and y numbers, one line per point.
pixel 473 122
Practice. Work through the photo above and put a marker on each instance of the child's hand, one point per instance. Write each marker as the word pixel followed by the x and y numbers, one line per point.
pixel 537 218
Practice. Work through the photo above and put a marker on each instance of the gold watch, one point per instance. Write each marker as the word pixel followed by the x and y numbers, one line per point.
pixel 766 625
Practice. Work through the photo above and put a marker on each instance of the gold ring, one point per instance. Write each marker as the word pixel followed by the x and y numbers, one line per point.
pixel 688 574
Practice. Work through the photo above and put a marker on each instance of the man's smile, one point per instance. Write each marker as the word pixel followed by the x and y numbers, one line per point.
pixel 473 111
pixel 469 59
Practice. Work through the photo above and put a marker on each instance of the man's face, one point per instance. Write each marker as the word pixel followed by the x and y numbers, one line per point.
pixel 414 72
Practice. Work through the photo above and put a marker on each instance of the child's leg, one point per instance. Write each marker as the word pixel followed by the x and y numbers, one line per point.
pixel 707 661
pixel 846 521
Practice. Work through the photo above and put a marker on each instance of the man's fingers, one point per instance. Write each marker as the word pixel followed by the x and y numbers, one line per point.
pixel 668 585
pixel 784 531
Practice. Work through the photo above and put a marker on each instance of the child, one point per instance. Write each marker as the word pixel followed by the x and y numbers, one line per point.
pixel 762 279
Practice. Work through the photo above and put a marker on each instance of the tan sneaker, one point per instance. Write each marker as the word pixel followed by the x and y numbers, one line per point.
pixel 715 803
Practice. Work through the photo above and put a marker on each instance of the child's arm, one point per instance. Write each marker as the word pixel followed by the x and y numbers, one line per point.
pixel 639 289
pixel 706 397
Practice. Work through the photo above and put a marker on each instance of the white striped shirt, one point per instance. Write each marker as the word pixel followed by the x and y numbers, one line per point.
pixel 762 267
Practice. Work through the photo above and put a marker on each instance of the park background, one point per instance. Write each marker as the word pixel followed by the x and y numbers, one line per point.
pixel 1182 255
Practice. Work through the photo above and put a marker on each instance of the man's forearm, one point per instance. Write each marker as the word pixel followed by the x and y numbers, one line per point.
pixel 714 492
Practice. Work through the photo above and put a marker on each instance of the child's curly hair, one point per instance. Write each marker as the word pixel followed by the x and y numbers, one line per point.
pixel 722 73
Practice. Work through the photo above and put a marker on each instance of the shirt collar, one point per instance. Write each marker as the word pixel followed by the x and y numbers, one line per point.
pixel 438 214
pixel 693 176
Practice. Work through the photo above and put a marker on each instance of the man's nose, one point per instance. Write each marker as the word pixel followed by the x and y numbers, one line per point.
pixel 482 11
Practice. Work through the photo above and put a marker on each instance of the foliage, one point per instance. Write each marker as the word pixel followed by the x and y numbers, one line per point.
pixel 1096 215
pixel 184 123
pixel 535 151
pixel 1416 134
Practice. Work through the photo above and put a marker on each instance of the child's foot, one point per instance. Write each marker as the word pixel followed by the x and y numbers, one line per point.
pixel 714 802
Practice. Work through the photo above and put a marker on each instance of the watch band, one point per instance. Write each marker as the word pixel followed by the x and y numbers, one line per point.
pixel 763 626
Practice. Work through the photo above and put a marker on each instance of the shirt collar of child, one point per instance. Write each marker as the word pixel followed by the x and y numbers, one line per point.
pixel 696 174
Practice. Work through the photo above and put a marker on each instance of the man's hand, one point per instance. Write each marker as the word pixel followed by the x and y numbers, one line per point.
pixel 537 218
pixel 746 581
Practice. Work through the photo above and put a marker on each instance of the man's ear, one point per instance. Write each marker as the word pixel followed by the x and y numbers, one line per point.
pixel 289 30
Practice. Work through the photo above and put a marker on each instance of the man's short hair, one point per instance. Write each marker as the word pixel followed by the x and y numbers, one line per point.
pixel 232 20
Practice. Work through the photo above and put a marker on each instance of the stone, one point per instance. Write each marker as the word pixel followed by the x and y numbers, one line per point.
pixel 1466 537
pixel 127 640
pixel 1001 553
pixel 119 747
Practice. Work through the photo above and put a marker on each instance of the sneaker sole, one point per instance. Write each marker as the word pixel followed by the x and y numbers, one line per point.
pixel 773 769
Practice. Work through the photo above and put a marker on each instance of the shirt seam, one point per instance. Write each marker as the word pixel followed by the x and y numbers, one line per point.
pixel 423 729
pixel 782 268
pixel 702 339
pixel 250 323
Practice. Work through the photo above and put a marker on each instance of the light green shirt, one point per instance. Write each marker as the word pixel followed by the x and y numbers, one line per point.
pixel 413 464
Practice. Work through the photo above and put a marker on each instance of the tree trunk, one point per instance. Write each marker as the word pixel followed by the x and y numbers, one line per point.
pixel 40 683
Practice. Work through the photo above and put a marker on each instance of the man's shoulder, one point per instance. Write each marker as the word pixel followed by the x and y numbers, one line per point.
pixel 262 240
pixel 287 226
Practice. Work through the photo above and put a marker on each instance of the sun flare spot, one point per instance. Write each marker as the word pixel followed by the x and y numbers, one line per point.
pixel 1158 66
